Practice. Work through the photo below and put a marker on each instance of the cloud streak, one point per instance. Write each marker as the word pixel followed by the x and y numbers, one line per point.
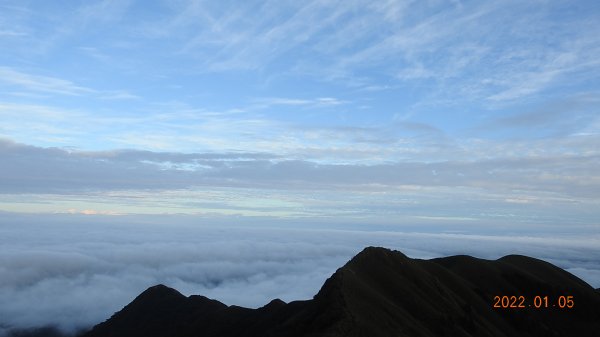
pixel 131 169
pixel 41 83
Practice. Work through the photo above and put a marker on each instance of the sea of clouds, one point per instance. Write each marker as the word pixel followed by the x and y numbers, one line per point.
pixel 74 274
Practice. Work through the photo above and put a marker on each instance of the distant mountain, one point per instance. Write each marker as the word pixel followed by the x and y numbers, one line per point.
pixel 384 293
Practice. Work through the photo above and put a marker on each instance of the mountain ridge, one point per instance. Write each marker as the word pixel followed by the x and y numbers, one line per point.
pixel 381 292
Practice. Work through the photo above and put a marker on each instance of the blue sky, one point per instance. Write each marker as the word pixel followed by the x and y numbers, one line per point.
pixel 375 112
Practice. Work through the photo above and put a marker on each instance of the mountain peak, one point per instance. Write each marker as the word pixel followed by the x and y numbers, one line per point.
pixel 157 295
pixel 372 258
pixel 161 290
pixel 372 252
pixel 276 303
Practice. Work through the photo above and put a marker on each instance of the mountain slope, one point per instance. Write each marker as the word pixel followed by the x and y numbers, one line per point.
pixel 383 293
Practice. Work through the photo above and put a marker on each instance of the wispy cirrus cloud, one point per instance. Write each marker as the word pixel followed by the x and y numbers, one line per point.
pixel 39 83
pixel 316 102
pixel 30 84
pixel 12 33
pixel 556 118
pixel 357 42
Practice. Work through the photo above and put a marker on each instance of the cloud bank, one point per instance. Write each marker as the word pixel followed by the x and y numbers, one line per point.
pixel 71 170
pixel 75 273
pixel 545 188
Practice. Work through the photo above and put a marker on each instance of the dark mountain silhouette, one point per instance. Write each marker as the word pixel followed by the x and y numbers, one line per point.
pixel 383 293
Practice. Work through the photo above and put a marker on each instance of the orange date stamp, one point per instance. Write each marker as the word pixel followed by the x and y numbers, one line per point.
pixel 536 302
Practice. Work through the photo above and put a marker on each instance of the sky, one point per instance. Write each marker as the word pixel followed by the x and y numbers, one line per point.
pixel 462 119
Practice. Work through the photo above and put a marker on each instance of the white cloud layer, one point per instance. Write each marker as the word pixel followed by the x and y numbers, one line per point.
pixel 74 272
